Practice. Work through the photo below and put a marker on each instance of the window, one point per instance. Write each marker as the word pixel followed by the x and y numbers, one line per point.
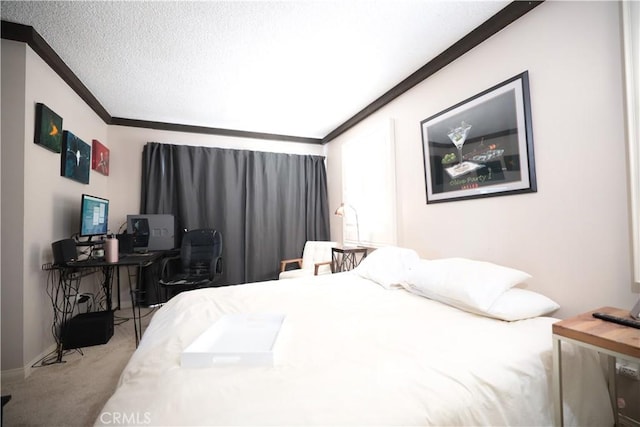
pixel 369 187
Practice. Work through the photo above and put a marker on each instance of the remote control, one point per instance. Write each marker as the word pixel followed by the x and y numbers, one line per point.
pixel 619 320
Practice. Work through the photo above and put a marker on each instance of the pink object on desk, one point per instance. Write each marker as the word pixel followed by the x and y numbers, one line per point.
pixel 111 250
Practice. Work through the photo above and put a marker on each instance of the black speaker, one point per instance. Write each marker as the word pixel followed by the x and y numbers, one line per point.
pixel 87 329
pixel 64 251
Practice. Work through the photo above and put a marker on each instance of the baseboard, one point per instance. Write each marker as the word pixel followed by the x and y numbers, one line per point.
pixel 19 374
pixel 13 375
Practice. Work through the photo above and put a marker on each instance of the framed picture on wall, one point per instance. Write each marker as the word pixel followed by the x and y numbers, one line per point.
pixel 48 132
pixel 99 158
pixel 482 146
pixel 75 158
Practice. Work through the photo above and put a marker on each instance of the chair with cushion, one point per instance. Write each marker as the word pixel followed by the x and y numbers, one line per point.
pixel 199 263
pixel 316 259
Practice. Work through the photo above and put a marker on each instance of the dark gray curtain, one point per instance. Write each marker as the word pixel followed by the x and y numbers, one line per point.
pixel 266 205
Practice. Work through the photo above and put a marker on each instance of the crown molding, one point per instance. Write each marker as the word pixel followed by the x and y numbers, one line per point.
pixel 509 14
pixel 119 121
pixel 28 35
pixel 497 22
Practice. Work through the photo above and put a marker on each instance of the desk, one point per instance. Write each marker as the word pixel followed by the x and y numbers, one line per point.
pixel 140 262
pixel 347 258
pixel 616 341
pixel 63 289
pixel 70 274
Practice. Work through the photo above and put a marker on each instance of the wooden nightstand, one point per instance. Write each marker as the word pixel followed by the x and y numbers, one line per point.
pixel 616 341
pixel 347 258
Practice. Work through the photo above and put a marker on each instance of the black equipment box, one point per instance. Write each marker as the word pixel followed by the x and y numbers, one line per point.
pixel 64 251
pixel 87 329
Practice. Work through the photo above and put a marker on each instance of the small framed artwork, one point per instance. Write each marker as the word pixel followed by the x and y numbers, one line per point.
pixel 48 132
pixel 75 158
pixel 482 146
pixel 99 157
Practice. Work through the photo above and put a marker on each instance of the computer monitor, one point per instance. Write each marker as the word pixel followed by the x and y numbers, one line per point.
pixel 158 229
pixel 94 214
pixel 138 227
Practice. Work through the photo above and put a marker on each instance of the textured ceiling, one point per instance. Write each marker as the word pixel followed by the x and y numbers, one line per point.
pixel 298 68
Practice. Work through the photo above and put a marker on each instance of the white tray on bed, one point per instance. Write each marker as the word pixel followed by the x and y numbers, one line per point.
pixel 235 339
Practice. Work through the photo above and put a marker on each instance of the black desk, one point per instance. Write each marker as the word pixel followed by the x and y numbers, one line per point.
pixel 132 260
pixel 69 278
pixel 140 262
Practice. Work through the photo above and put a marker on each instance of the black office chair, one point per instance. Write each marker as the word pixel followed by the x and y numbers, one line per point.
pixel 199 263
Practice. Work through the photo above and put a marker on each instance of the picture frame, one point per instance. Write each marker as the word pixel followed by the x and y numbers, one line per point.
pixel 48 131
pixel 99 157
pixel 482 146
pixel 75 159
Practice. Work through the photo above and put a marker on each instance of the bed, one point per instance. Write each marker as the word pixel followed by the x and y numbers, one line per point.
pixel 373 346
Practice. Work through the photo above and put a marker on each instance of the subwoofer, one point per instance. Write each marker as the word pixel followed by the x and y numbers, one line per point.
pixel 64 251
pixel 87 329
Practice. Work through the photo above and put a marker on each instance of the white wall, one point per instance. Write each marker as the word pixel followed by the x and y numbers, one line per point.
pixel 51 202
pixel 13 87
pixel 39 205
pixel 573 235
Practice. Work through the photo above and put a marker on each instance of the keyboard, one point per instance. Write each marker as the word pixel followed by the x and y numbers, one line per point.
pixel 626 321
pixel 135 255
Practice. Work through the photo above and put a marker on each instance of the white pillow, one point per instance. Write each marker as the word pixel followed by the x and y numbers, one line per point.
pixel 464 283
pixel 388 266
pixel 518 304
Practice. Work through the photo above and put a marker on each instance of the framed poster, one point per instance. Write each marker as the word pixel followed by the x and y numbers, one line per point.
pixel 48 132
pixel 75 158
pixel 482 146
pixel 99 157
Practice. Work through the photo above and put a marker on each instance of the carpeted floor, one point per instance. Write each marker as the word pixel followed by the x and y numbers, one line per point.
pixel 73 393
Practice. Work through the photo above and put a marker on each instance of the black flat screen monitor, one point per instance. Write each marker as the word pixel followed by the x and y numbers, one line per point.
pixel 94 214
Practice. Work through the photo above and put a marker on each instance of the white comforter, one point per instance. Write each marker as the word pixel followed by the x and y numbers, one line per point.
pixel 353 353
